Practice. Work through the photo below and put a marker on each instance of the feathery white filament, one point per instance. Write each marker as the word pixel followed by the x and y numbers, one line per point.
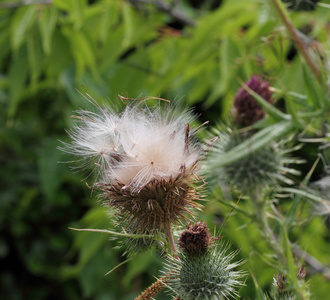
pixel 136 147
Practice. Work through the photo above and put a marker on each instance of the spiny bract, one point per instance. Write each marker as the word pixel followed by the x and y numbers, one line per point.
pixel 210 275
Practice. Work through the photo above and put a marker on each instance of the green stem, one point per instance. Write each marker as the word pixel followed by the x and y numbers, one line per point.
pixel 169 236
pixel 263 225
pixel 296 38
pixel 271 239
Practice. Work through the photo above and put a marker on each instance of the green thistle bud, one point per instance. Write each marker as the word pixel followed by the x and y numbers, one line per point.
pixel 209 275
pixel 305 5
pixel 259 169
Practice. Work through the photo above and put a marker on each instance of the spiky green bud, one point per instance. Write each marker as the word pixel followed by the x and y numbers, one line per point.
pixel 267 166
pixel 210 275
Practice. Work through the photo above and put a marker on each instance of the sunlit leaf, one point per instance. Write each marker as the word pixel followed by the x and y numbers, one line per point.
pixel 21 23
pixel 17 74
pixel 47 23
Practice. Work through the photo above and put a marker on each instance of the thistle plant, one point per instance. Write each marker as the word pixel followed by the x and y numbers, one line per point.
pixel 261 173
pixel 146 161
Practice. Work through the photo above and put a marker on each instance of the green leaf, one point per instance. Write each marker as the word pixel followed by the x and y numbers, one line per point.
pixel 292 109
pixel 109 17
pixel 18 72
pixel 260 294
pixel 287 251
pixel 304 193
pixel 82 51
pixel 50 170
pixel 4 46
pixel 214 21
pixel 35 58
pixel 58 63
pixel 143 261
pixel 66 5
pixel 21 23
pixel 78 13
pixel 313 89
pixel 90 242
pixel 128 24
pixel 230 52
pixel 113 233
pixel 291 214
pixel 47 23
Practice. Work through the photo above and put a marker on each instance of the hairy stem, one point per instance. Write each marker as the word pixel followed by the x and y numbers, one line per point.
pixel 296 38
pixel 169 236
pixel 153 290
pixel 263 225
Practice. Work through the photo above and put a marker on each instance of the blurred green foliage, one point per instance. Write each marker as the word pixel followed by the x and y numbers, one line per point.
pixel 132 48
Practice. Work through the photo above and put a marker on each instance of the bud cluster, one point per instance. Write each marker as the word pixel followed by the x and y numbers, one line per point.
pixel 282 289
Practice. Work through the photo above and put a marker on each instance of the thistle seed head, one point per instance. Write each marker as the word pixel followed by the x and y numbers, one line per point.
pixel 248 111
pixel 146 161
pixel 155 206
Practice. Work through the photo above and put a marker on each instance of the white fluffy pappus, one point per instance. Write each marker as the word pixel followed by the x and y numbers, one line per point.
pixel 95 140
pixel 136 147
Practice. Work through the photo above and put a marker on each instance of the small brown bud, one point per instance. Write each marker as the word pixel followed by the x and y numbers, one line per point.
pixel 302 272
pixel 196 239
pixel 280 282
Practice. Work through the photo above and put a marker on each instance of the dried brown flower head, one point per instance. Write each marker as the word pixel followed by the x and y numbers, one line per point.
pixel 155 206
pixel 196 239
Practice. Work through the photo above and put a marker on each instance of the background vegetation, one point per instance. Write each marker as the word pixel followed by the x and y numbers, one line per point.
pixel 197 52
